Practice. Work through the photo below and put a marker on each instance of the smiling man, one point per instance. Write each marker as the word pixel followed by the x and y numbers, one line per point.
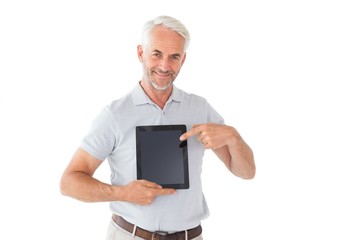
pixel 142 209
pixel 162 60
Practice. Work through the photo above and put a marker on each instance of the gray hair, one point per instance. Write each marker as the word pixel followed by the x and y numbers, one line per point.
pixel 168 22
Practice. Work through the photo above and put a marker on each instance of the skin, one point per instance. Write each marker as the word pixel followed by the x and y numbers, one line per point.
pixel 162 59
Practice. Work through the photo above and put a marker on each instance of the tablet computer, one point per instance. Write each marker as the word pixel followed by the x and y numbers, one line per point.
pixel 161 157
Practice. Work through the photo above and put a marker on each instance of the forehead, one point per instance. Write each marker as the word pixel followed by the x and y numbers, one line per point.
pixel 166 40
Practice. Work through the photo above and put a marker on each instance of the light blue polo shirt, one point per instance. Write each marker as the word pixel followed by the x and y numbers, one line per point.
pixel 112 137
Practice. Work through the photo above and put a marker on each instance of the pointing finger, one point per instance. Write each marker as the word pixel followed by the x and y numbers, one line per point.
pixel 195 130
pixel 163 191
pixel 149 184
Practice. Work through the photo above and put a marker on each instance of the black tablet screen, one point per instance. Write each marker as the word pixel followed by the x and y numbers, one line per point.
pixel 161 156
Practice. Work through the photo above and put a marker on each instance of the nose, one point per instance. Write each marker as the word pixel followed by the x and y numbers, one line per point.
pixel 164 65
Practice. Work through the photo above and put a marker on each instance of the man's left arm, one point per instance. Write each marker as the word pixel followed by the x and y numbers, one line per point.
pixel 228 145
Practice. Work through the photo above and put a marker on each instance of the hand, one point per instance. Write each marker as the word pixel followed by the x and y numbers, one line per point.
pixel 211 135
pixel 228 145
pixel 144 192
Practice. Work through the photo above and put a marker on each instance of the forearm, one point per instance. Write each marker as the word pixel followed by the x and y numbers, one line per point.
pixel 242 159
pixel 81 186
pixel 78 182
pixel 237 156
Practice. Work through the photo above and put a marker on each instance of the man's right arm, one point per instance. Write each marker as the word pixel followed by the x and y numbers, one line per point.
pixel 78 182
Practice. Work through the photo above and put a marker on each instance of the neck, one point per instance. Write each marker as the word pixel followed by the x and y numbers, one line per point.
pixel 159 97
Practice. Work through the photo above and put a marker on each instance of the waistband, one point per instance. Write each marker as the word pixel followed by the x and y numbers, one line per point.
pixel 142 233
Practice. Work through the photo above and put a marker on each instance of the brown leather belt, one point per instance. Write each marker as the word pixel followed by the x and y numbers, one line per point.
pixel 142 233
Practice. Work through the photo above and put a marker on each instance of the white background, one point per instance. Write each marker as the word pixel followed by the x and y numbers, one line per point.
pixel 284 73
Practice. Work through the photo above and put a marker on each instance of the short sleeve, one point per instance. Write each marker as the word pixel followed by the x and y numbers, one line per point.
pixel 101 138
pixel 213 116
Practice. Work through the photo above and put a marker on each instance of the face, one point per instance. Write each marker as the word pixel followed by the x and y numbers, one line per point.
pixel 162 58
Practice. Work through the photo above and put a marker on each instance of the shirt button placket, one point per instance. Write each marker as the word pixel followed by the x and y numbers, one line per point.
pixel 163 119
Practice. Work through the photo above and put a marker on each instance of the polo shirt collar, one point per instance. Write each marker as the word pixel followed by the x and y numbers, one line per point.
pixel 139 97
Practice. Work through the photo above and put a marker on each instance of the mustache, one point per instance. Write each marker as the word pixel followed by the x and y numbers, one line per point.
pixel 158 70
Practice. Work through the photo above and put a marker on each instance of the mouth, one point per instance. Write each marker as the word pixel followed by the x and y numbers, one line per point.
pixel 163 74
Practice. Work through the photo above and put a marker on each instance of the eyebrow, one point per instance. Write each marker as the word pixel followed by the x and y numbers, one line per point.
pixel 173 55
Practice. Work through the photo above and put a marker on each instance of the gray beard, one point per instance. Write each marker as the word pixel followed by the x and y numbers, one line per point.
pixel 157 87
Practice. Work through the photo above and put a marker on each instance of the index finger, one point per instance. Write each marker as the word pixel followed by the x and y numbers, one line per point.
pixel 195 130
pixel 163 191
pixel 149 184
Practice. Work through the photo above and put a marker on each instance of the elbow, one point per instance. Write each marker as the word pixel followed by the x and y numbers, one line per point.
pixel 64 187
pixel 246 173
pixel 63 190
pixel 244 169
pixel 250 169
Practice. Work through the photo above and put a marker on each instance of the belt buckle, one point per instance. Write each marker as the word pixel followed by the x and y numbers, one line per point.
pixel 160 233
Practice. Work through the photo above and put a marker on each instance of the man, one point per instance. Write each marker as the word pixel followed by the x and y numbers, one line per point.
pixel 143 209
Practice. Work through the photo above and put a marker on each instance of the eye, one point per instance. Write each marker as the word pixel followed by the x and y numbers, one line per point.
pixel 175 57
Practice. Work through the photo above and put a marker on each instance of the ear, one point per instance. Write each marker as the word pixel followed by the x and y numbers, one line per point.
pixel 183 60
pixel 140 53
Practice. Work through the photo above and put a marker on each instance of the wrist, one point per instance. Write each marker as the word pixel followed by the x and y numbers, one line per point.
pixel 234 138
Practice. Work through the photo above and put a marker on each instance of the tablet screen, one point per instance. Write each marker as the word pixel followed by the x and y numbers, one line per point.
pixel 161 157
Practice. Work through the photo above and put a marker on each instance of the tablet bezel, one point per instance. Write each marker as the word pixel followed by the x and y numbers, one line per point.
pixel 158 128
